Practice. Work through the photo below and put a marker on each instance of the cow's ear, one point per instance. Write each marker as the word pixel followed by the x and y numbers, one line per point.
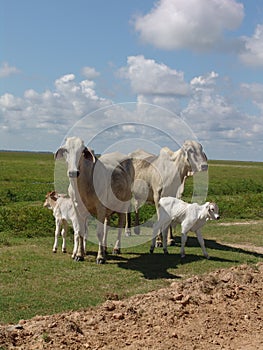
pixel 88 154
pixel 60 153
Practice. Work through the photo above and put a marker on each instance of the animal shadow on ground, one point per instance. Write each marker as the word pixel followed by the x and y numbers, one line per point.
pixel 156 265
pixel 152 266
pixel 214 245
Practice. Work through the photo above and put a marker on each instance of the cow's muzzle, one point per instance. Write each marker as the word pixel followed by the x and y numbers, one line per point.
pixel 204 167
pixel 73 174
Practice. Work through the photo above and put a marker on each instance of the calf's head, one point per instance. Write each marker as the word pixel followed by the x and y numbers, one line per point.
pixel 212 211
pixel 51 197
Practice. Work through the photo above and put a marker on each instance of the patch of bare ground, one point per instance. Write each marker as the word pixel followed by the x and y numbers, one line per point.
pixel 219 310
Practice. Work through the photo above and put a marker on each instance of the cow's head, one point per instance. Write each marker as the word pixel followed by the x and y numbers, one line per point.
pixel 72 151
pixel 195 156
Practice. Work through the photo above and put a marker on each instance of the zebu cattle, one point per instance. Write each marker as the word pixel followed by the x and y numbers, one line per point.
pixel 192 217
pixel 165 174
pixel 64 213
pixel 99 186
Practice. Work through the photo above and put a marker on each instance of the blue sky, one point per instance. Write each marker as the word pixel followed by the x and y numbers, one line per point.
pixel 197 63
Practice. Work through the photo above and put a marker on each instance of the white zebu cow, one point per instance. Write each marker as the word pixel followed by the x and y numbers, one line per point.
pixel 192 217
pixel 64 212
pixel 98 186
pixel 165 174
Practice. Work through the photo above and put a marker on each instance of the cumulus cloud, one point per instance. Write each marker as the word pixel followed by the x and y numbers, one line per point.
pixel 90 72
pixel 193 24
pixel 223 125
pixel 147 77
pixel 165 100
pixel 6 70
pixel 253 92
pixel 253 52
pixel 50 112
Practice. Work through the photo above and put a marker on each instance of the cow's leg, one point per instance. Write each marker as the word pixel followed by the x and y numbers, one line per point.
pixel 202 243
pixel 137 219
pixel 162 223
pixel 117 247
pixel 159 237
pixel 76 241
pixel 105 234
pixel 80 252
pixel 128 224
pixel 154 234
pixel 80 228
pixel 57 231
pixel 101 258
pixel 85 236
pixel 64 235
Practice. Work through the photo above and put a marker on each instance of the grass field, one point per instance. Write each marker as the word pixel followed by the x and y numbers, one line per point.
pixel 35 281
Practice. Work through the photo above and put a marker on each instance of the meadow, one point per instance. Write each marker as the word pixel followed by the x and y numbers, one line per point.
pixel 34 281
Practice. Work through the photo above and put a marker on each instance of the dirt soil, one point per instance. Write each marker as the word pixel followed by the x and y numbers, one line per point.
pixel 220 310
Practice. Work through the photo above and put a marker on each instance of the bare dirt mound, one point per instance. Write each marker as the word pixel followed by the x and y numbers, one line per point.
pixel 220 310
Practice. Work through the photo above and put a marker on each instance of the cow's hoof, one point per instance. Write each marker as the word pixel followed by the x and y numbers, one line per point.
pixel 54 251
pixel 64 251
pixel 128 233
pixel 151 250
pixel 165 252
pixel 137 230
pixel 171 243
pixel 101 261
pixel 116 251
pixel 79 258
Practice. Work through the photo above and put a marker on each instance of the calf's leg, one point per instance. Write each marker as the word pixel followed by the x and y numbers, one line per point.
pixel 183 242
pixel 64 235
pixel 57 231
pixel 202 243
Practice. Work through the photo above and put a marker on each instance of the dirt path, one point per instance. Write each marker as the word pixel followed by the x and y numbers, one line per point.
pixel 220 310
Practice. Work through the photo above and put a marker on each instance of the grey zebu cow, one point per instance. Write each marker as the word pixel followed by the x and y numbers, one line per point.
pixel 192 217
pixel 98 186
pixel 165 174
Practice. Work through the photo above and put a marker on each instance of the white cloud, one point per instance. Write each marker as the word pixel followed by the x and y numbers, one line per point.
pixel 253 92
pixel 204 81
pixel 50 112
pixel 253 53
pixel 42 120
pixel 148 77
pixel 192 24
pixel 90 72
pixel 226 131
pixel 6 70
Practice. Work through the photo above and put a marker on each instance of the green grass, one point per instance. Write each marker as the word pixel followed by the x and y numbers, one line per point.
pixel 35 281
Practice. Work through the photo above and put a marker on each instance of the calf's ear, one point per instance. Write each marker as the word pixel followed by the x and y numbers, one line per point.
pixel 60 153
pixel 207 205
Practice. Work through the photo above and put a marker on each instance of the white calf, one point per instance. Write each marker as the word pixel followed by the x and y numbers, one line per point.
pixel 64 212
pixel 192 217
